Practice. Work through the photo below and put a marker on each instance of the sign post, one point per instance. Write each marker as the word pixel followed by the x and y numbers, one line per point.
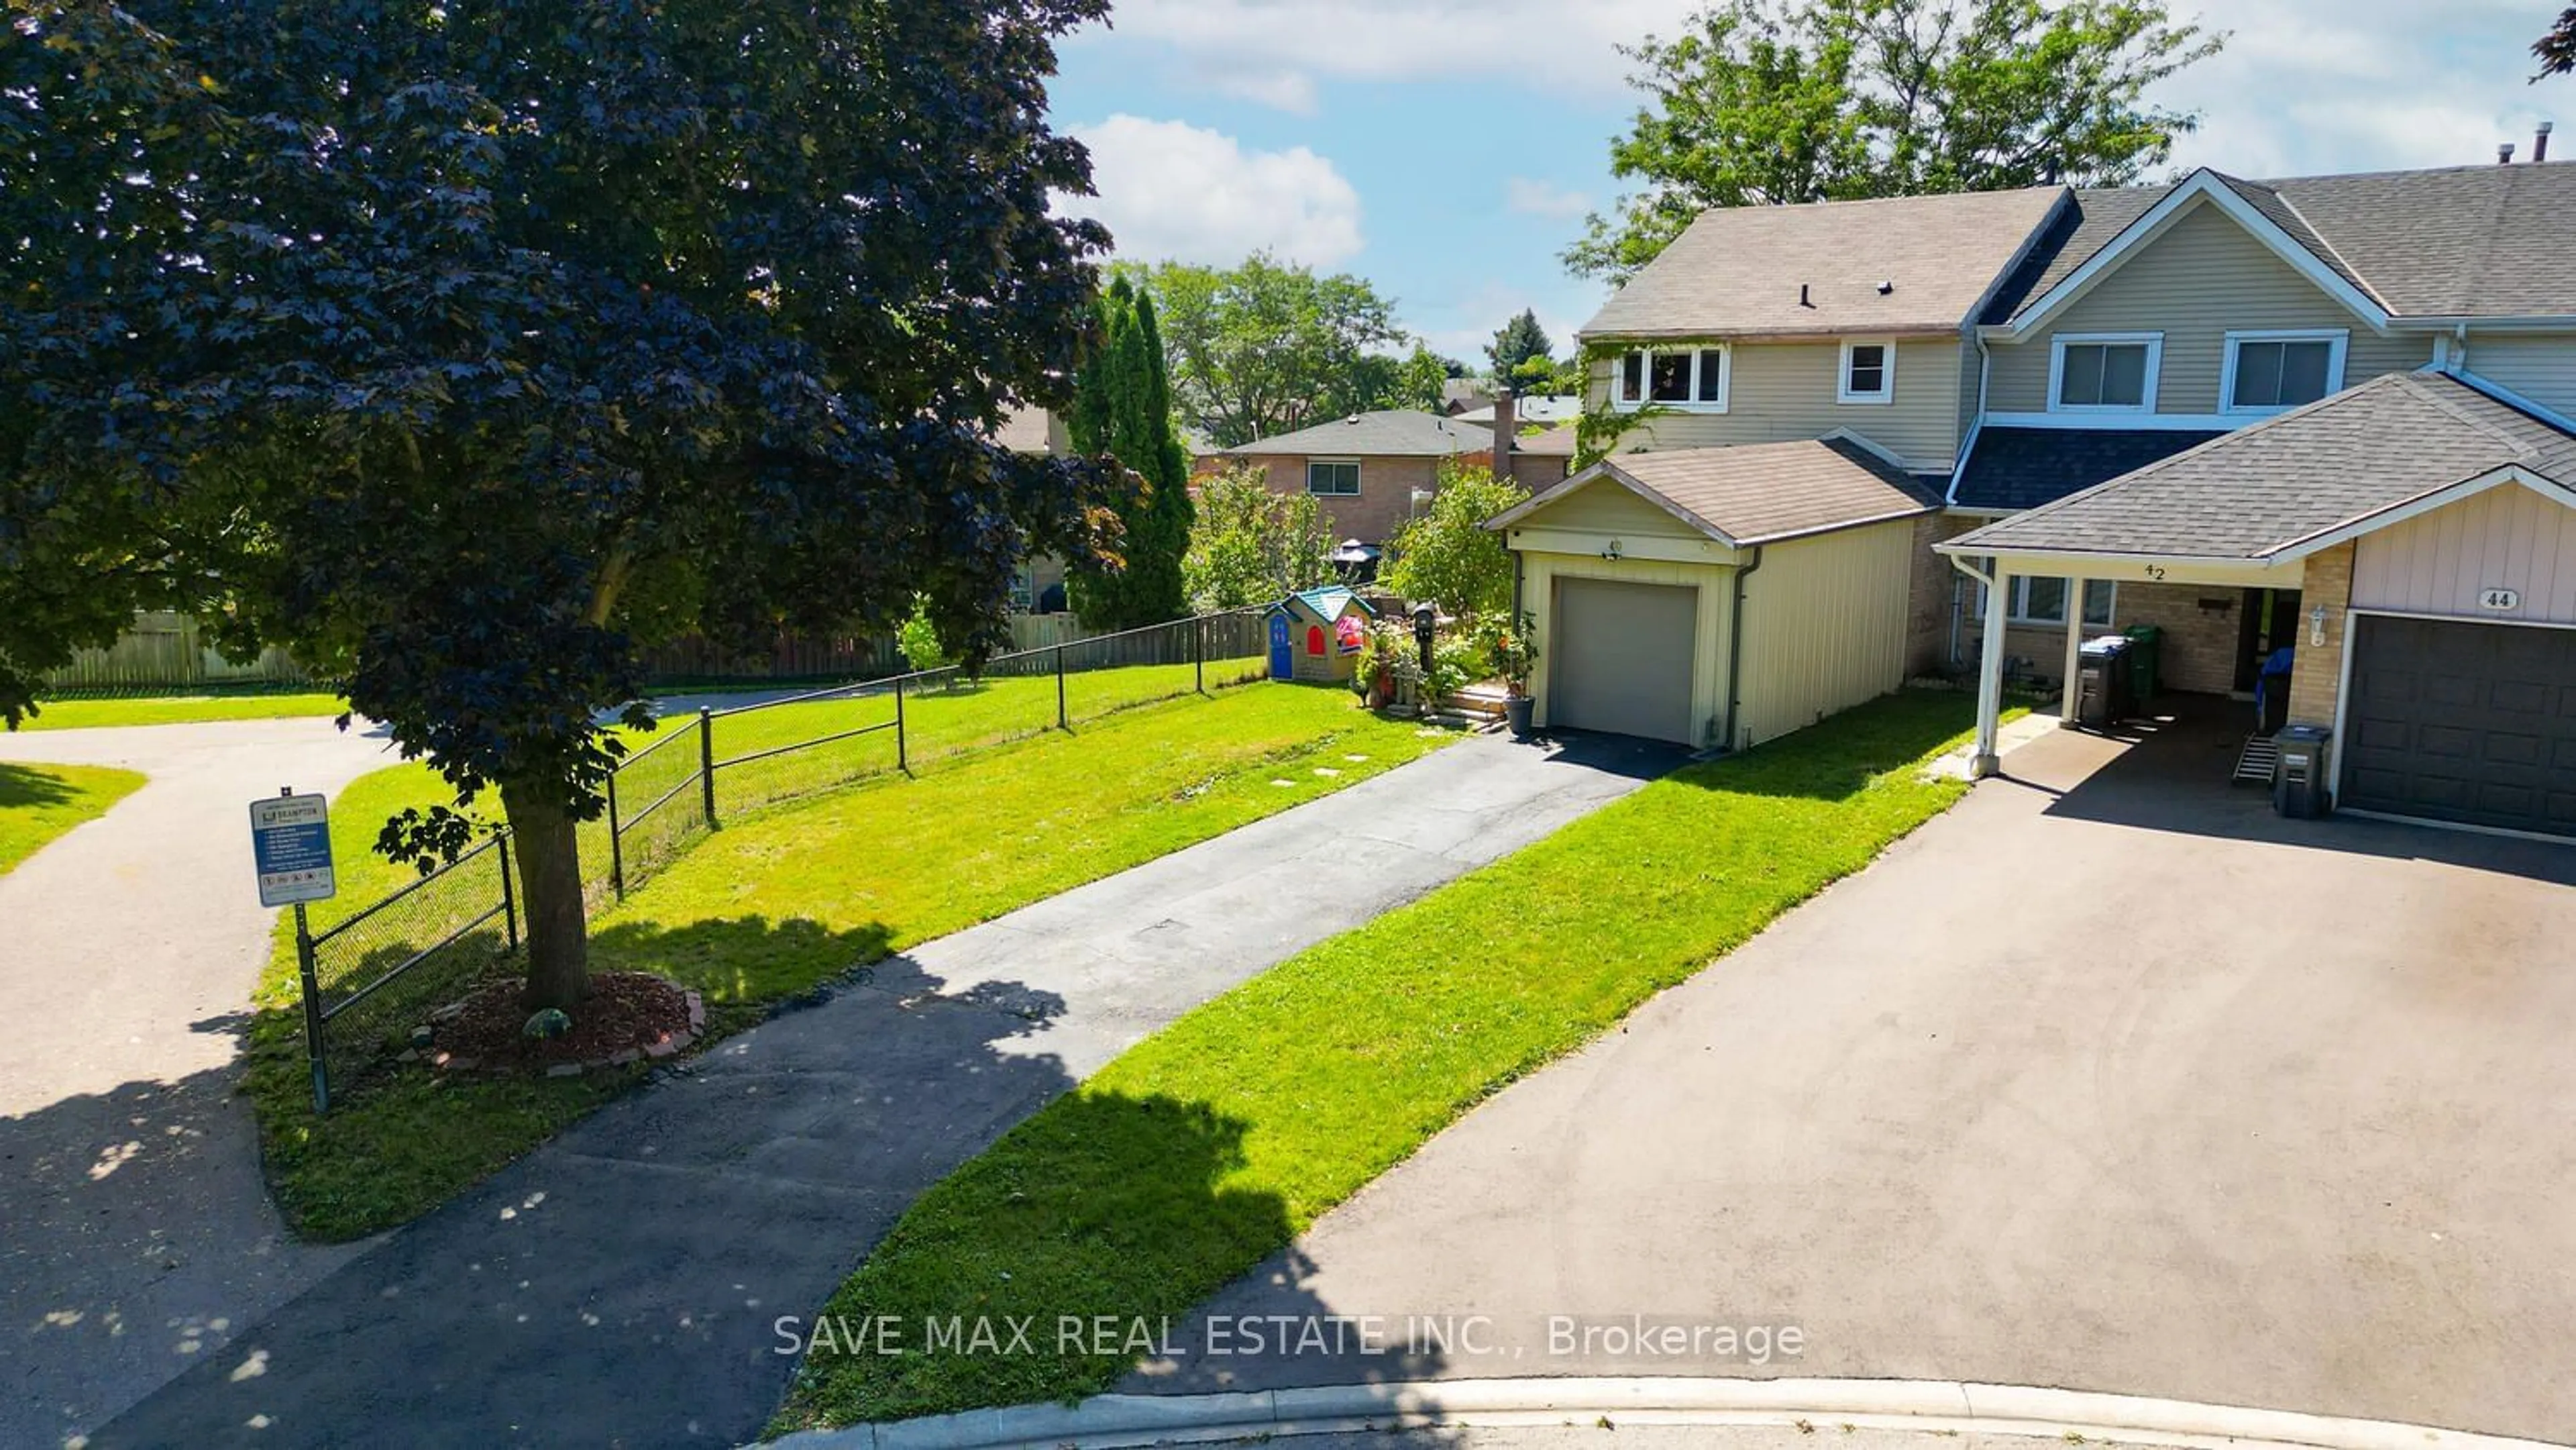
pixel 290 843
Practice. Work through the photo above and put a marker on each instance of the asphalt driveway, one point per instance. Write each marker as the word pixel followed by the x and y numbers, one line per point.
pixel 2108 1080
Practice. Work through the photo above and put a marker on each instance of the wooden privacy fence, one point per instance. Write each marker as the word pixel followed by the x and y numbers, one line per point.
pixel 166 652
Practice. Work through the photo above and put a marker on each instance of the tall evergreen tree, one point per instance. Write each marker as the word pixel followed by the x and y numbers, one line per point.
pixel 1519 340
pixel 1123 407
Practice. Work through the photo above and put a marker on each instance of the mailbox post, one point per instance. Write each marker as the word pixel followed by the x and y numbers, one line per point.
pixel 1425 617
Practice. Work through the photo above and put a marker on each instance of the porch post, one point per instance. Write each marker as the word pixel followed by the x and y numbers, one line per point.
pixel 1990 672
pixel 2067 713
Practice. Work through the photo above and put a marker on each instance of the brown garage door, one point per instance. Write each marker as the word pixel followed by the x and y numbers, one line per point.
pixel 2474 723
pixel 1623 658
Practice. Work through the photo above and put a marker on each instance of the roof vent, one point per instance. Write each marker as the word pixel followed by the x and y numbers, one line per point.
pixel 2504 153
pixel 1886 287
pixel 1802 296
pixel 2540 141
pixel 1352 418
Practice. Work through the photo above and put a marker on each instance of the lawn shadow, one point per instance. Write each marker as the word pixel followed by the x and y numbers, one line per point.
pixel 23 787
pixel 744 960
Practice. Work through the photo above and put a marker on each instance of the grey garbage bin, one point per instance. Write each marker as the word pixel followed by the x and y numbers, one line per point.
pixel 2102 682
pixel 2300 785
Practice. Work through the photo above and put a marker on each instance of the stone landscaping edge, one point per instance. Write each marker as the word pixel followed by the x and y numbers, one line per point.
pixel 1945 1407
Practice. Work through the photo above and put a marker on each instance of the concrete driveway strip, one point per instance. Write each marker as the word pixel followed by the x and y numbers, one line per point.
pixel 2106 1080
pixel 138 1236
pixel 619 1285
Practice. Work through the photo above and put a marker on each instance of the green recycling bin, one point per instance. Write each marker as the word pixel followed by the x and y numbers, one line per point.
pixel 2146 654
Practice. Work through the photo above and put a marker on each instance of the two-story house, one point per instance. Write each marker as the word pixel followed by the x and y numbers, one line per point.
pixel 2320 422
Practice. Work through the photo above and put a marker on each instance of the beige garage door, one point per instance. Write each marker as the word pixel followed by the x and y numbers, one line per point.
pixel 1623 658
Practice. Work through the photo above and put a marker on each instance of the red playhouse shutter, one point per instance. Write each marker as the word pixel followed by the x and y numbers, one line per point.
pixel 1314 639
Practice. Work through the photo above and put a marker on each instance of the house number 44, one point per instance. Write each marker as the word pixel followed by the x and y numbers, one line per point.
pixel 2499 599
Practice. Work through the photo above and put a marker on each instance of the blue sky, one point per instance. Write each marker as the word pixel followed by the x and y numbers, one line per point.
pixel 1447 150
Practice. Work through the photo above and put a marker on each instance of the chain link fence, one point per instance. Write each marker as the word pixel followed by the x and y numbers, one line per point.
pixel 373 978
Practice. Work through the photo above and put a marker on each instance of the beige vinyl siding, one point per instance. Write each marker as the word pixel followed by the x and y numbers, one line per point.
pixel 1825 626
pixel 2541 368
pixel 2441 562
pixel 2202 279
pixel 1785 391
pixel 1608 508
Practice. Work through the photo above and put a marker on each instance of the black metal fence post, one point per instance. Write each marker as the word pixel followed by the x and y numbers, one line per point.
pixel 313 1047
pixel 616 849
pixel 1198 652
pixel 902 759
pixel 1061 723
pixel 509 890
pixel 707 762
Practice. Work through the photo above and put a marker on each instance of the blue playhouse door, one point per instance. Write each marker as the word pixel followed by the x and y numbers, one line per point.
pixel 1283 660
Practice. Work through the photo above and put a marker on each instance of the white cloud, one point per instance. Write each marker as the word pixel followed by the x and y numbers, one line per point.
pixel 1532 197
pixel 1172 190
pixel 1285 90
pixel 1544 43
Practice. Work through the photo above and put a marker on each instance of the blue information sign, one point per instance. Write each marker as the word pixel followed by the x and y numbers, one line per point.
pixel 290 838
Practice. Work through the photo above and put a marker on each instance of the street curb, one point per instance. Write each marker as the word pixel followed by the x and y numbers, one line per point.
pixel 1934 1406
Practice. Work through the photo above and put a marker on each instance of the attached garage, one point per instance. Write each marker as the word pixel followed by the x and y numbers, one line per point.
pixel 2460 721
pixel 1637 572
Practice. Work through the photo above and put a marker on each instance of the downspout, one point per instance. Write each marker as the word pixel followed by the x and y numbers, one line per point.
pixel 1735 652
pixel 1959 471
pixel 1984 759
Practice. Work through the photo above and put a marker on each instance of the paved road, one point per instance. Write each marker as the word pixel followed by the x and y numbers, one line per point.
pixel 619 1285
pixel 139 1238
pixel 2109 1079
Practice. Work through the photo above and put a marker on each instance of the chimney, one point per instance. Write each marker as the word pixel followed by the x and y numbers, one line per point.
pixel 2540 142
pixel 2504 154
pixel 1506 430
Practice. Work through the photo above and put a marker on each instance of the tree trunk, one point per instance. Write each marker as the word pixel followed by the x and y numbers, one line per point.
pixel 549 857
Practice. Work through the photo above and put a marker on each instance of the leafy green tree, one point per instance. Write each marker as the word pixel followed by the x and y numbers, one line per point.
pixel 2556 50
pixel 1769 102
pixel 469 351
pixel 1266 347
pixel 1519 341
pixel 1418 382
pixel 1249 545
pixel 1446 554
pixel 1122 407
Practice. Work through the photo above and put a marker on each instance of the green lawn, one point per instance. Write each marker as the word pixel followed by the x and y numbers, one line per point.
pixel 776 903
pixel 40 802
pixel 179 710
pixel 1209 1145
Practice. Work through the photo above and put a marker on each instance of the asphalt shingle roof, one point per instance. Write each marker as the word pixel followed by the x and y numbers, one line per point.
pixel 1736 271
pixel 1396 432
pixel 2020 468
pixel 2261 491
pixel 1759 493
pixel 2459 241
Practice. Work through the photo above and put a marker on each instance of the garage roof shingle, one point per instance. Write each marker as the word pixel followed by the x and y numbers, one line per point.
pixel 2261 491
pixel 1392 432
pixel 1759 493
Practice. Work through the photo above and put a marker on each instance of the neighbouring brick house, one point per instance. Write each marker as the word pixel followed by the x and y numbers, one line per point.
pixel 1367 470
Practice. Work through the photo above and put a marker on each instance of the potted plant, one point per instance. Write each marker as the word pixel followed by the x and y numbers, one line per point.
pixel 1513 653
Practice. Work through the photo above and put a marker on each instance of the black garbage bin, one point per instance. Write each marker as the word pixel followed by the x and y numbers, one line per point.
pixel 2300 786
pixel 2102 683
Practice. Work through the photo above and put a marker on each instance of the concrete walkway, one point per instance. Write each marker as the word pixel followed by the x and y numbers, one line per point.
pixel 2108 1079
pixel 138 1237
pixel 619 1286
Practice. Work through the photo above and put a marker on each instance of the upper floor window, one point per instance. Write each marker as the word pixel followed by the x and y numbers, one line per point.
pixel 1868 373
pixel 1339 476
pixel 1672 377
pixel 2104 372
pixel 2269 371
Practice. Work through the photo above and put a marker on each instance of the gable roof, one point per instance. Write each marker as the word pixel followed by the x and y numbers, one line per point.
pixel 1756 493
pixel 1737 271
pixel 1328 600
pixel 2020 468
pixel 1557 442
pixel 1532 408
pixel 2292 484
pixel 2458 241
pixel 1394 432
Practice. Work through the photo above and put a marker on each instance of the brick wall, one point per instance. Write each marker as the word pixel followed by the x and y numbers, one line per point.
pixel 1385 499
pixel 2199 646
pixel 1929 602
pixel 2318 676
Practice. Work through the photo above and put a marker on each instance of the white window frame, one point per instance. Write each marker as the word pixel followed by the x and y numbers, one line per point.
pixel 1354 465
pixel 2339 338
pixel 1699 355
pixel 1886 374
pixel 2017 604
pixel 2057 345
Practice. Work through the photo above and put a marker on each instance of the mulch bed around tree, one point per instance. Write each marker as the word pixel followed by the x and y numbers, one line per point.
pixel 628 1017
